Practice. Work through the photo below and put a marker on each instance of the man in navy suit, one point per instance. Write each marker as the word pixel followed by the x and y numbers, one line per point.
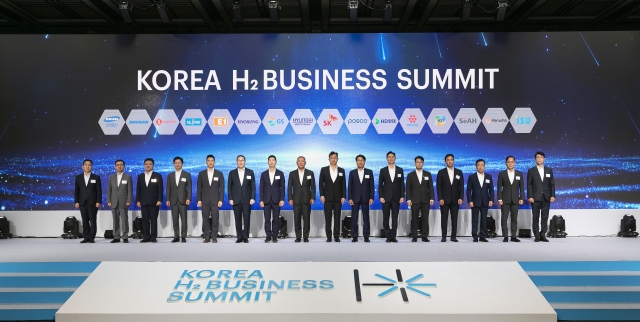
pixel 333 192
pixel 541 190
pixel 480 198
pixel 510 196
pixel 360 197
pixel 149 199
pixel 88 197
pixel 242 194
pixel 391 193
pixel 301 193
pixel 272 198
pixel 450 186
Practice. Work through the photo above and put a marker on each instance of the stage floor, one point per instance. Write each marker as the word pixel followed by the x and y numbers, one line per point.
pixel 318 250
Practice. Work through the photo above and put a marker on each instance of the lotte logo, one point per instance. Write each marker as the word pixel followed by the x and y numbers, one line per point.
pixel 159 121
pixel 332 118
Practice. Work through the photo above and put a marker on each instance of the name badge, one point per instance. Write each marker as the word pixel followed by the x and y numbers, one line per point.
pixel 366 176
pixel 277 177
pixel 215 178
pixel 487 181
pixel 457 177
pixel 517 177
pixel 154 180
pixel 308 177
pixel 426 178
pixel 93 181
pixel 339 174
pixel 248 177
pixel 399 175
pixel 183 179
pixel 548 175
pixel 123 182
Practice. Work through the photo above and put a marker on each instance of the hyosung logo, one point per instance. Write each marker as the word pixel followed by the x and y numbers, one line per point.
pixel 237 286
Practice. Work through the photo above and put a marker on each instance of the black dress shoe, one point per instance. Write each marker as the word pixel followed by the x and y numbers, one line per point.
pixel 268 239
pixel 455 240
pixel 443 239
pixel 154 240
pixel 84 241
pixel 514 239
pixel 388 240
pixel 214 240
pixel 298 240
pixel 537 239
pixel 505 240
pixel 92 241
pixel 393 240
pixel 484 240
pixel 366 239
pixel 274 239
pixel 239 240
pixel 329 240
pixel 115 241
pixel 175 240
pixel 246 240
pixel 413 240
pixel 306 240
pixel 145 240
pixel 544 239
pixel 126 241
pixel 184 240
pixel 337 239
pixel 475 240
pixel 425 239
pixel 354 240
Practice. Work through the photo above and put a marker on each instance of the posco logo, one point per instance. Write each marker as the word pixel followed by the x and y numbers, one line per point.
pixel 357 121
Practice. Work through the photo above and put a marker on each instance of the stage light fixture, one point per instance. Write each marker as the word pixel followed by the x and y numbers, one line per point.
pixel 125 7
pixel 502 9
pixel 627 227
pixel 387 11
pixel 274 6
pixel 353 10
pixel 237 11
pixel 162 10
pixel 557 227
pixel 71 228
pixel 466 9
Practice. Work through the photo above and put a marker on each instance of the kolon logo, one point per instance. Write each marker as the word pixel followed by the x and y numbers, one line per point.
pixel 393 285
pixel 331 118
pixel 412 118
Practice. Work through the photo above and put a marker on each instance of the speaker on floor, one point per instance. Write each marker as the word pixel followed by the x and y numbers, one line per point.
pixel 346 227
pixel 627 227
pixel 557 227
pixel 4 228
pixel 282 224
pixel 491 227
pixel 524 233
pixel 108 234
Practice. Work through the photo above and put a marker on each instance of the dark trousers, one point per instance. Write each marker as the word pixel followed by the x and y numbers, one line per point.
pixel 332 210
pixel 150 221
pixel 416 209
pixel 479 213
pixel 390 209
pixel 242 212
pixel 540 207
pixel 302 212
pixel 271 219
pixel 505 209
pixel 444 218
pixel 89 214
pixel 179 214
pixel 365 219
pixel 210 227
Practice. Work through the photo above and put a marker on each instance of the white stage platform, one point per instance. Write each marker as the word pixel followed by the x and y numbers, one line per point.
pixel 330 291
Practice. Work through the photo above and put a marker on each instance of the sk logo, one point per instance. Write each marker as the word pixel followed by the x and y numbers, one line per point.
pixel 393 285
pixel 331 119
pixel 412 118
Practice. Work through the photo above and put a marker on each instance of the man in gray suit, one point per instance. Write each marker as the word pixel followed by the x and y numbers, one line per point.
pixel 302 192
pixel 178 198
pixel 119 197
pixel 210 195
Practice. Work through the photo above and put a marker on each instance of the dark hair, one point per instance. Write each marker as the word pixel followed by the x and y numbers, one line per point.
pixel 332 153
pixel 511 156
pixel 149 159
pixel 449 155
pixel 272 156
pixel 480 160
pixel 178 158
pixel 240 155
pixel 391 152
pixel 418 157
pixel 85 160
pixel 540 153
pixel 305 159
pixel 361 156
pixel 119 161
pixel 210 156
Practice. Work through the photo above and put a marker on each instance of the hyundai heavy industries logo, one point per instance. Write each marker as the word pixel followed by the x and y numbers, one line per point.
pixel 393 285
pixel 234 286
pixel 384 121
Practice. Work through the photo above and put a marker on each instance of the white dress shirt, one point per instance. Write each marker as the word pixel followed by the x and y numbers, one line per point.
pixel 178 173
pixel 119 178
pixel 481 178
pixel 511 174
pixel 241 175
pixel 541 172
pixel 392 172
pixel 272 175
pixel 301 175
pixel 334 173
pixel 210 175
pixel 86 179
pixel 419 173
pixel 147 177
pixel 361 174
pixel 450 171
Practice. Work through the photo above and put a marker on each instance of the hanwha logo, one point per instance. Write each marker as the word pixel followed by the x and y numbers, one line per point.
pixel 487 120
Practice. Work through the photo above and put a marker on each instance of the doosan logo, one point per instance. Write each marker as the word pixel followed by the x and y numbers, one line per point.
pixel 135 122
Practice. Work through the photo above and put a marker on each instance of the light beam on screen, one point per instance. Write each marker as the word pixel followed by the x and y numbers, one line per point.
pixel 437 43
pixel 384 56
pixel 585 42
pixel 484 39
pixel 7 126
pixel 623 105
pixel 166 94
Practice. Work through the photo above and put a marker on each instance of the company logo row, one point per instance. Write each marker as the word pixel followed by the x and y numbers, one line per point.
pixel 302 121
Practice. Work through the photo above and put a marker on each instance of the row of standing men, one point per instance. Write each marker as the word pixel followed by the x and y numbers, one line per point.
pixel 301 191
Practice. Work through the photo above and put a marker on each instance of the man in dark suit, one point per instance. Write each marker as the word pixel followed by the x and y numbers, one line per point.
pixel 419 198
pixel 119 198
pixel 210 195
pixel 88 197
pixel 272 198
pixel 541 190
pixel 301 192
pixel 242 194
pixel 480 198
pixel 179 198
pixel 450 186
pixel 149 197
pixel 510 196
pixel 361 188
pixel 391 193
pixel 333 193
